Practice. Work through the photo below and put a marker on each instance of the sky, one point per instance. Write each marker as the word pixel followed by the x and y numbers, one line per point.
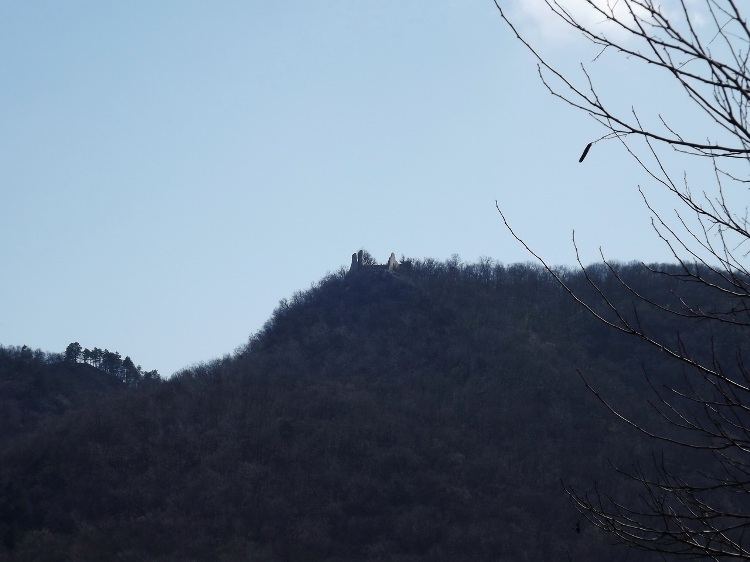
pixel 171 170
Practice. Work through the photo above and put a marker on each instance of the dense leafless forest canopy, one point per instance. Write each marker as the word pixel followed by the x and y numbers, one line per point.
pixel 431 413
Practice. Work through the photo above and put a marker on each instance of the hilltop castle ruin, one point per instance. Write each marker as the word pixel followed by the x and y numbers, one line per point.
pixel 358 263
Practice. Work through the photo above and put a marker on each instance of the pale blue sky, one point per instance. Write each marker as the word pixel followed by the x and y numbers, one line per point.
pixel 170 170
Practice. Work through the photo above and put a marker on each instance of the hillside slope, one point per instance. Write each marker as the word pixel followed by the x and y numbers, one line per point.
pixel 34 388
pixel 429 415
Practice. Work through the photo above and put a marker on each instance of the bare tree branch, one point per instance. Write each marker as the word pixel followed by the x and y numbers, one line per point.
pixel 703 47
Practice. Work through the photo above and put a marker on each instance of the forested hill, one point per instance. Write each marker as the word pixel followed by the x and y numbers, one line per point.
pixel 431 413
pixel 37 386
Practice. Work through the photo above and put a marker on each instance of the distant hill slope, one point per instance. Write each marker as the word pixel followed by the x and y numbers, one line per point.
pixel 33 389
pixel 431 414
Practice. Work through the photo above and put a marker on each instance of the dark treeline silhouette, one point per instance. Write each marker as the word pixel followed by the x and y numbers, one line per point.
pixel 35 384
pixel 110 362
pixel 434 413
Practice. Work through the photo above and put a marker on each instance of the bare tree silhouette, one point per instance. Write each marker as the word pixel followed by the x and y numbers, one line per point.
pixel 702 46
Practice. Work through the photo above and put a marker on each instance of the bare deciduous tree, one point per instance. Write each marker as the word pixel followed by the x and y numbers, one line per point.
pixel 702 46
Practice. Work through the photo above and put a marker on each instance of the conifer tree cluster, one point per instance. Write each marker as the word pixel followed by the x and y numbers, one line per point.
pixel 110 362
